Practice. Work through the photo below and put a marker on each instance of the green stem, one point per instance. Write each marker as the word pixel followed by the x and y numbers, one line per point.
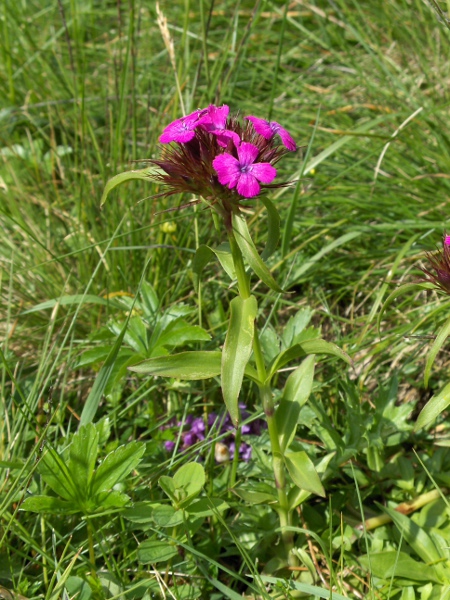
pixel 91 547
pixel 266 396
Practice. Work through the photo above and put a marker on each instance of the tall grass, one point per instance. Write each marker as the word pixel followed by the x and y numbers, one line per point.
pixel 86 88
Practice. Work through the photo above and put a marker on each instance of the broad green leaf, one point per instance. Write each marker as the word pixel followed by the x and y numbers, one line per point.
pixel 315 346
pixel 185 365
pixel 107 500
pixel 296 328
pixel 181 333
pixel 299 383
pixel 166 516
pixel 144 174
pixel 190 479
pixel 273 228
pixel 116 466
pixel 203 255
pixel 141 512
pixel 433 408
pixel 255 497
pixel 250 253
pixel 56 475
pixel 207 507
pixel 296 495
pixel 443 334
pixel 167 484
pixel 398 564
pixel 408 593
pixel 236 351
pixel 82 457
pixel 152 551
pixel 49 504
pixel 303 472
pixel 74 299
pixel 78 588
pixel 311 591
pixel 416 536
pixel 296 392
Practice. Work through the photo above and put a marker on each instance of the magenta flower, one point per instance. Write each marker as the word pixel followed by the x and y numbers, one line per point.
pixel 243 173
pixel 182 130
pixel 215 122
pixel 270 128
pixel 446 240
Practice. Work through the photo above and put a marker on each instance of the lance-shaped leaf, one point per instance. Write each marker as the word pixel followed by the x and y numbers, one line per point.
pixel 237 350
pixel 250 253
pixel 315 346
pixel 433 408
pixel 185 365
pixel 152 551
pixel 56 474
pixel 303 472
pixel 204 255
pixel 296 393
pixel 127 176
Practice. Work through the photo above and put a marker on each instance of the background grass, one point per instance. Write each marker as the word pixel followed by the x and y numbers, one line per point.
pixel 86 88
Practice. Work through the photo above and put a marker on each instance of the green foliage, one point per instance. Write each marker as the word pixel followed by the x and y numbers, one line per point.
pixel 73 476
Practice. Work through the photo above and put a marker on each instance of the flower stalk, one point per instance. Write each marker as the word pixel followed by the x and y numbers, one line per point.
pixel 266 396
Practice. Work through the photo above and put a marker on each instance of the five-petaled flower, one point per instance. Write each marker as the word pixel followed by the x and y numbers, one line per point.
pixel 243 173
pixel 439 263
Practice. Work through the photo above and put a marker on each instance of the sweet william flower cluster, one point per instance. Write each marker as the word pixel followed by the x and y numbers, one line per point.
pixel 438 272
pixel 221 158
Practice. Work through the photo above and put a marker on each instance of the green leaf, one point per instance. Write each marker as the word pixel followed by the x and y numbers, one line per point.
pixel 433 408
pixel 255 497
pixel 116 466
pixel 398 564
pixel 56 475
pixel 107 500
pixel 315 346
pixel 82 457
pixel 236 351
pixel 182 332
pixel 144 174
pixel 203 255
pixel 273 228
pixel 190 479
pixel 140 512
pixel 435 348
pixel 303 472
pixel 185 365
pixel 296 392
pixel 152 551
pixel 299 383
pixel 49 504
pixel 166 516
pixel 417 538
pixel 206 507
pixel 225 258
pixel 250 253
pixel 168 486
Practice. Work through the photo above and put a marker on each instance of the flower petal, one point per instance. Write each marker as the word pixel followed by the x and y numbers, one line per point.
pixel 182 130
pixel 224 135
pixel 248 185
pixel 247 153
pixel 261 126
pixel 264 172
pixel 227 169
pixel 286 138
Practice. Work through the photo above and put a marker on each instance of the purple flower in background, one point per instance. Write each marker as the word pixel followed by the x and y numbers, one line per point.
pixel 243 173
pixel 270 128
pixel 182 130
pixel 194 432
